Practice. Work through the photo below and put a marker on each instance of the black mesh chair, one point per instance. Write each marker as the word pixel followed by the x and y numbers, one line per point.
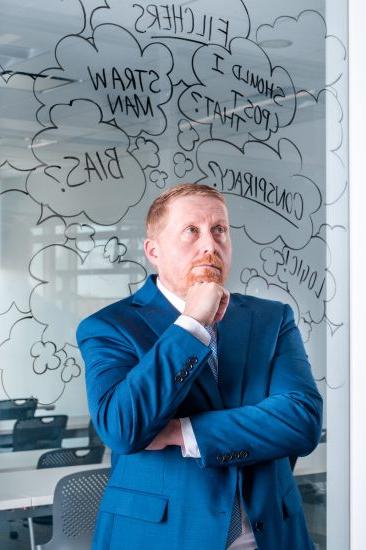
pixel 13 409
pixel 75 507
pixel 39 432
pixel 73 456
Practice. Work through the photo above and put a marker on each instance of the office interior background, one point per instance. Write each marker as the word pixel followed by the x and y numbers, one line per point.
pixel 104 104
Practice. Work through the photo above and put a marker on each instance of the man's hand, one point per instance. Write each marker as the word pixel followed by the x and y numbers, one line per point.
pixel 206 302
pixel 170 435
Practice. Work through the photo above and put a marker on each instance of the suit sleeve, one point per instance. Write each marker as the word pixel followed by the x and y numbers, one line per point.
pixel 131 399
pixel 287 422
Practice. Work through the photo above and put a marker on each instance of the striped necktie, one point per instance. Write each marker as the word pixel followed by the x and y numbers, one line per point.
pixel 212 360
pixel 235 529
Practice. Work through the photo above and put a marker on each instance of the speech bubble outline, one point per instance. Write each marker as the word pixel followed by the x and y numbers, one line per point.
pixel 116 108
pixel 209 27
pixel 60 325
pixel 314 287
pixel 242 86
pixel 294 33
pixel 64 189
pixel 293 229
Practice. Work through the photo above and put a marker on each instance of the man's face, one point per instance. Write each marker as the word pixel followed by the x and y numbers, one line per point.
pixel 193 245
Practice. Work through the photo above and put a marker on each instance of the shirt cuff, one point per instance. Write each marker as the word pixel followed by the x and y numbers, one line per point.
pixel 190 448
pixel 194 327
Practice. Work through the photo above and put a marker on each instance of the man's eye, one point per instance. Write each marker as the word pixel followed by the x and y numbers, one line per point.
pixel 219 229
pixel 192 229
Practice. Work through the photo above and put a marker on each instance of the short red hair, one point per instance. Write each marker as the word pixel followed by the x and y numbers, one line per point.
pixel 158 208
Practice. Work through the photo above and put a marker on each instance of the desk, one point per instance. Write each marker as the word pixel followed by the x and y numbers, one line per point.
pixel 77 426
pixel 29 493
pixel 27 460
pixel 33 488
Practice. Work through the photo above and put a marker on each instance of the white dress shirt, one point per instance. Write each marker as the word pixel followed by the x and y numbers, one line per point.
pixel 246 541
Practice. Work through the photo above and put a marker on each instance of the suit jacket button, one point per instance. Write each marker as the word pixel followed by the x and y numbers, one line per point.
pixel 220 458
pixel 258 526
pixel 244 454
pixel 192 360
pixel 236 454
pixel 231 456
pixel 179 378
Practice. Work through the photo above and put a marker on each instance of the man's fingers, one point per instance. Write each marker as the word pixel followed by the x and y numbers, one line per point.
pixel 206 301
pixel 224 302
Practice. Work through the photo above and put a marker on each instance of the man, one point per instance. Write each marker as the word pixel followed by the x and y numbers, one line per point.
pixel 202 396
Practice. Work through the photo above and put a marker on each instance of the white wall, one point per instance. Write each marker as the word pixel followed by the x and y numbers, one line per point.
pixel 357 120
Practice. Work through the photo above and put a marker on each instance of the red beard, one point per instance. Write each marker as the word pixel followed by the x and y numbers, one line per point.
pixel 206 274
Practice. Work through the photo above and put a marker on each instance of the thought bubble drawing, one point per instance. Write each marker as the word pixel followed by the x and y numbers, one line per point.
pixel 131 88
pixel 96 175
pixel 258 286
pixel 276 263
pixel 11 179
pixel 305 328
pixel 187 135
pixel 159 177
pixel 271 260
pixel 261 183
pixel 317 131
pixel 82 234
pixel 19 377
pixel 8 319
pixel 114 250
pixel 337 239
pixel 181 25
pixel 62 298
pixel 182 165
pixel 70 370
pixel 307 276
pixel 16 92
pixel 239 92
pixel 328 355
pixel 317 350
pixel 146 153
pixel 44 357
pixel 22 236
pixel 247 273
pixel 305 41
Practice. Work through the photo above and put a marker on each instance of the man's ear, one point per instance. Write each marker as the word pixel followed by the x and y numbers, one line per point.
pixel 151 251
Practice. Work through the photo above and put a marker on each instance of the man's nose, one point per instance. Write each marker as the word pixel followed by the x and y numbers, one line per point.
pixel 208 243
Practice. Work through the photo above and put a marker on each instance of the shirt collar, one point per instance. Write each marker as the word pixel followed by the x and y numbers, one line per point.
pixel 177 302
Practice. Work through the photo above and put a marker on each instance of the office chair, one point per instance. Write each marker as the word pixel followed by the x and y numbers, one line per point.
pixel 13 409
pixel 75 507
pixel 39 432
pixel 57 458
pixel 72 456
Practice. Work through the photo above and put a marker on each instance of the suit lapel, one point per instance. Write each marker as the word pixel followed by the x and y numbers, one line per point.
pixel 233 340
pixel 158 313
pixel 233 343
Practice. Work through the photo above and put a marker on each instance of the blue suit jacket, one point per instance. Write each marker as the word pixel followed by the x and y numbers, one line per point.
pixel 142 370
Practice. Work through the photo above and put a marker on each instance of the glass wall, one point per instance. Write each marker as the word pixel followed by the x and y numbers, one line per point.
pixel 104 105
